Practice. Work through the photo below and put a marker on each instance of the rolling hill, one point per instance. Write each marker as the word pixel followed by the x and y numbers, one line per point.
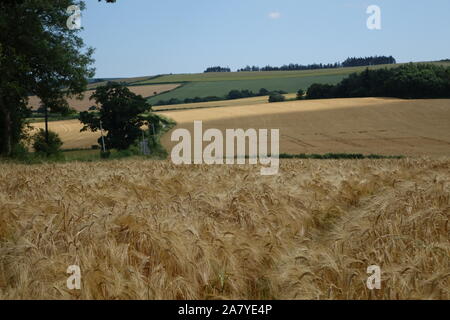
pixel 219 84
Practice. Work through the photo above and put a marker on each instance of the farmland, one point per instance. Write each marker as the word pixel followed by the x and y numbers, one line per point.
pixel 234 76
pixel 221 88
pixel 366 125
pixel 224 159
pixel 182 86
pixel 69 132
pixel 128 81
pixel 219 84
pixel 222 103
pixel 153 230
pixel 85 103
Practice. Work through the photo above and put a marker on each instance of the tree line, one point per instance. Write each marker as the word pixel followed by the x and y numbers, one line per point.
pixel 349 62
pixel 410 81
pixel 231 95
pixel 291 67
pixel 217 69
pixel 368 61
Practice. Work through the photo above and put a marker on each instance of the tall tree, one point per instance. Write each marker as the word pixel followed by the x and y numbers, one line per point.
pixel 119 114
pixel 39 56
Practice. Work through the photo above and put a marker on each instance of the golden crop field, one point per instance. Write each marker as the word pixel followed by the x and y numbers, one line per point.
pixel 69 132
pixel 362 125
pixel 85 103
pixel 151 230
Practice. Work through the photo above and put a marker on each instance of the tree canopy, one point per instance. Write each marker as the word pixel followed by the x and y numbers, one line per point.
pixel 119 115
pixel 410 81
pixel 39 56
pixel 217 69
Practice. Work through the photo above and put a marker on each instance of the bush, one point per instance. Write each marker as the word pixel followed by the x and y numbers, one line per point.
pixel 40 145
pixel 300 94
pixel 234 94
pixel 320 91
pixel 263 92
pixel 276 97
pixel 19 151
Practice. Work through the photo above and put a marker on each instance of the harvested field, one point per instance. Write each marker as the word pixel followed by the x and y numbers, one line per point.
pixel 121 80
pixel 152 230
pixel 363 125
pixel 85 103
pixel 69 132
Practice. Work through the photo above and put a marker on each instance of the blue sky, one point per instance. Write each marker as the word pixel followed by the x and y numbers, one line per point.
pixel 146 37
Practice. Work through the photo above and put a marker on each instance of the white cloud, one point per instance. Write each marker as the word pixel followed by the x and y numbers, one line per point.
pixel 275 15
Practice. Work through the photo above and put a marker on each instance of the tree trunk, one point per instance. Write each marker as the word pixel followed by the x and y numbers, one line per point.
pixel 5 145
pixel 46 124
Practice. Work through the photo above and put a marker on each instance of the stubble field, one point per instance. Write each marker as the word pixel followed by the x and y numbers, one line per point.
pixel 152 230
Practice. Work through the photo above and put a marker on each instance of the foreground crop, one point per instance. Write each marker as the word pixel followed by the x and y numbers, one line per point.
pixel 152 230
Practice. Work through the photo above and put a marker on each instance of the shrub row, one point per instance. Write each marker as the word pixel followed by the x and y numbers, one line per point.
pixel 232 95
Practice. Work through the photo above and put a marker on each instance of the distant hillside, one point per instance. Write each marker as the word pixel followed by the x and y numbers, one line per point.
pixel 220 83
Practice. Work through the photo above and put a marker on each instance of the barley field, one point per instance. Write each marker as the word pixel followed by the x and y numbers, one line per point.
pixel 152 230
